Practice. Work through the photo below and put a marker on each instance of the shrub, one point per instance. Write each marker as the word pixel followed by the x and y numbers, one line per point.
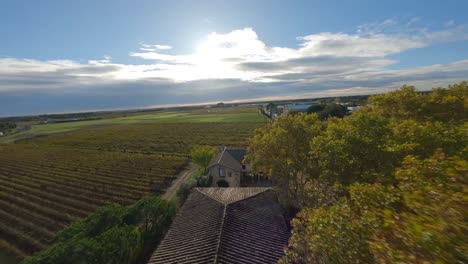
pixel 113 234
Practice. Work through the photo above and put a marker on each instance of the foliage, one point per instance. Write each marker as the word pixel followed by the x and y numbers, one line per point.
pixel 346 150
pixel 184 191
pixel 325 111
pixel 205 181
pixel 431 226
pixel 114 234
pixel 7 126
pixel 339 233
pixel 315 108
pixel 202 156
pixel 386 184
pixel 446 105
pixel 281 150
pixel 333 110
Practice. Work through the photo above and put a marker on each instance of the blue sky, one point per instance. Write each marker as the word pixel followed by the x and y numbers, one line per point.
pixel 63 56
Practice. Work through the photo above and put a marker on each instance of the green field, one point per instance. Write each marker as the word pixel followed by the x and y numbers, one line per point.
pixel 223 115
pixel 62 172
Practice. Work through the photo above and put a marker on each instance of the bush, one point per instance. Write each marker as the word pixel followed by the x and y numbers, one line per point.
pixel 113 234
pixel 185 190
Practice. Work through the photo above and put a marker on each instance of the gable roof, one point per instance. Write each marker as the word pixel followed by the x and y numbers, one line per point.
pixel 231 195
pixel 226 225
pixel 237 154
pixel 231 158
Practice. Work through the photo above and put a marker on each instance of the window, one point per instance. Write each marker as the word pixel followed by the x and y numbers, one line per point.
pixel 243 166
pixel 230 173
pixel 221 172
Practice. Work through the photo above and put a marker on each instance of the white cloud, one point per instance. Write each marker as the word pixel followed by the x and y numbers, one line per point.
pixel 235 54
pixel 240 66
pixel 162 47
pixel 449 23
pixel 154 47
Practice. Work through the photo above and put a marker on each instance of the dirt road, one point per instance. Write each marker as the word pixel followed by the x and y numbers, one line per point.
pixel 183 177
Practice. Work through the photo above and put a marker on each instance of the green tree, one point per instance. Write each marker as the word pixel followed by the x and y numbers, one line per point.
pixel 202 156
pixel 386 184
pixel 333 110
pixel 281 150
pixel 445 105
pixel 315 108
pixel 431 225
pixel 354 149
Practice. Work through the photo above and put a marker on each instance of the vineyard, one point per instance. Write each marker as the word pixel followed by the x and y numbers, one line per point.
pixel 172 138
pixel 48 182
pixel 42 190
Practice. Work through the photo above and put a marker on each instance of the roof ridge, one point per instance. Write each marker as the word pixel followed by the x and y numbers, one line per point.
pixel 257 194
pixel 221 156
pixel 263 189
pixel 204 194
pixel 220 237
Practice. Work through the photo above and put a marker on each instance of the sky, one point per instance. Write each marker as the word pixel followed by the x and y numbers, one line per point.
pixel 69 56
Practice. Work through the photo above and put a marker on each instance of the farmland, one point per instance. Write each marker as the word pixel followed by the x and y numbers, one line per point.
pixel 220 115
pixel 49 181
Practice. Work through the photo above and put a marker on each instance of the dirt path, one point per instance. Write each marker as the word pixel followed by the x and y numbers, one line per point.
pixel 183 177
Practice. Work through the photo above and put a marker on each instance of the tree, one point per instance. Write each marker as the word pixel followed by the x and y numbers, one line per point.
pixel 340 233
pixel 431 225
pixel 333 110
pixel 354 149
pixel 281 150
pixel 445 105
pixel 7 126
pixel 315 108
pixel 202 156
pixel 386 184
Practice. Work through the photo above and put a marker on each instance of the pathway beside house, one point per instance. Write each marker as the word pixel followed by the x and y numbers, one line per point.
pixel 182 178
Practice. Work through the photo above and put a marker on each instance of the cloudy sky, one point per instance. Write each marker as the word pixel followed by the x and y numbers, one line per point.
pixel 65 56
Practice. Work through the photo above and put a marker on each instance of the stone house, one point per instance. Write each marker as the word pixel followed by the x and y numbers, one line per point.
pixel 227 168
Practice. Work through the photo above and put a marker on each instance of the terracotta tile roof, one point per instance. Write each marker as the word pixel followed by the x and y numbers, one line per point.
pixel 226 225
pixel 233 194
pixel 194 234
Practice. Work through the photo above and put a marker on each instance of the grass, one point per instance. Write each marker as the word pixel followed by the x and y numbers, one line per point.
pixel 216 115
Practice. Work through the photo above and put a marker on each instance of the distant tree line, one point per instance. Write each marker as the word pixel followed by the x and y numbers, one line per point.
pixel 7 126
pixel 386 184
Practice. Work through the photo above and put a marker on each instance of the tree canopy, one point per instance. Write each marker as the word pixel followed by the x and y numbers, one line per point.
pixel 113 234
pixel 202 156
pixel 385 184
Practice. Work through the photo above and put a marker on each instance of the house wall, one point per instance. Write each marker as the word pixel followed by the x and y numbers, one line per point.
pixel 230 175
pixel 247 168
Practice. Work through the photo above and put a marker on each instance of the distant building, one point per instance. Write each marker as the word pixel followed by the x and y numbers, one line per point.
pixel 226 225
pixel 227 168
